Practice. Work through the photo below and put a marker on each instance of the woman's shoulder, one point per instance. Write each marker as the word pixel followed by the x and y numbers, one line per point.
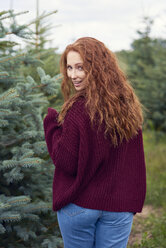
pixel 78 106
pixel 77 113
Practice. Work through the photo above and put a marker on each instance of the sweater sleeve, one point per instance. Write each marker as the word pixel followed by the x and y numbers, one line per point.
pixel 74 148
pixel 62 141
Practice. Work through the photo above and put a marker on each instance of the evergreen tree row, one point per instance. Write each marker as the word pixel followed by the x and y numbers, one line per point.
pixel 146 70
pixel 26 170
pixel 29 83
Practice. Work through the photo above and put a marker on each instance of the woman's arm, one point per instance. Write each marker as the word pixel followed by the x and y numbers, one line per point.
pixel 75 149
pixel 62 141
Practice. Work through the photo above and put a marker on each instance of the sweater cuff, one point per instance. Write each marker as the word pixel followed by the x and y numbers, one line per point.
pixel 52 112
pixel 52 116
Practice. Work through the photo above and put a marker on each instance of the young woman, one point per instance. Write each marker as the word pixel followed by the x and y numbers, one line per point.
pixel 96 145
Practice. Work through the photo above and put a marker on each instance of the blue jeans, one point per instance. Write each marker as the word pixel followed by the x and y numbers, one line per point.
pixel 89 228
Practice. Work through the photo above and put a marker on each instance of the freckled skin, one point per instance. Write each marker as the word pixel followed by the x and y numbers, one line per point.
pixel 75 69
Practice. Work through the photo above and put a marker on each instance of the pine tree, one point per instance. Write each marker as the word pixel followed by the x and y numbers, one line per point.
pixel 26 170
pixel 36 47
pixel 38 44
pixel 146 69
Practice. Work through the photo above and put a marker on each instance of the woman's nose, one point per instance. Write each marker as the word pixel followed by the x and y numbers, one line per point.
pixel 73 74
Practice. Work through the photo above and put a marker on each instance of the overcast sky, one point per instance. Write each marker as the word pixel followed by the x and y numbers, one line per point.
pixel 114 22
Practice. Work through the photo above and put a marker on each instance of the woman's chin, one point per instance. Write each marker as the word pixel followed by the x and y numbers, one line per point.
pixel 80 87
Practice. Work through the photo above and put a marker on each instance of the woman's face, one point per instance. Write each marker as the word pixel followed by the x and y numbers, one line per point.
pixel 75 70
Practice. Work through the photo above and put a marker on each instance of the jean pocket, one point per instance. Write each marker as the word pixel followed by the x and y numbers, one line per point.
pixel 72 209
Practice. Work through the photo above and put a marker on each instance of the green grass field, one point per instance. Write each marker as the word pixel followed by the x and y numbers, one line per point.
pixel 149 228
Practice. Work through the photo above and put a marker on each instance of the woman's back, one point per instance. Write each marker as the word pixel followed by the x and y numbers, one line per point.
pixel 89 170
pixel 96 145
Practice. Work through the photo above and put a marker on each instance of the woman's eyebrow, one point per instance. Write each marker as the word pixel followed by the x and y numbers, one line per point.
pixel 79 63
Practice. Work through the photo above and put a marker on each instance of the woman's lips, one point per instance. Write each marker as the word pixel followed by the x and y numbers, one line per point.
pixel 77 83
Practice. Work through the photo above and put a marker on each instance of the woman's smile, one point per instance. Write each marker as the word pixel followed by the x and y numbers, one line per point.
pixel 75 69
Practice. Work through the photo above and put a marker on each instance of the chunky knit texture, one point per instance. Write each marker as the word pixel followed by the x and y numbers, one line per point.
pixel 88 170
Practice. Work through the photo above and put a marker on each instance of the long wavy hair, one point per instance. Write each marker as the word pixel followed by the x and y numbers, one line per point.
pixel 108 94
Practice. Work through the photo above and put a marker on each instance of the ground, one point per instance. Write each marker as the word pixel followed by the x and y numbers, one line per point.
pixel 138 225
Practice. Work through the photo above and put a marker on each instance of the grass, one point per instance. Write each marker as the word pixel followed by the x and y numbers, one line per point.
pixel 149 228
pixel 155 155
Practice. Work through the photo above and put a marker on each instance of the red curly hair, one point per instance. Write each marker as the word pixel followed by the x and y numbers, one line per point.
pixel 107 93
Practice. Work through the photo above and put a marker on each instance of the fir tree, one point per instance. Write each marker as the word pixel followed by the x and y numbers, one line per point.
pixel 146 69
pixel 26 170
pixel 38 44
pixel 37 47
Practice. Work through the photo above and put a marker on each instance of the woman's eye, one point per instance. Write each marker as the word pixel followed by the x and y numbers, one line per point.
pixel 80 68
pixel 69 67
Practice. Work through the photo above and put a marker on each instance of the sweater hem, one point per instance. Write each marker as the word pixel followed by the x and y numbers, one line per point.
pixel 134 206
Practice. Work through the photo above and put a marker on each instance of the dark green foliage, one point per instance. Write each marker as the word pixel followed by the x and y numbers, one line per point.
pixel 146 69
pixel 50 63
pixel 145 66
pixel 26 170
pixel 36 47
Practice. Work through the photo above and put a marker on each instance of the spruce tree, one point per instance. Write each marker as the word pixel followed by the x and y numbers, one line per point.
pixel 146 69
pixel 26 170
pixel 38 44
pixel 37 47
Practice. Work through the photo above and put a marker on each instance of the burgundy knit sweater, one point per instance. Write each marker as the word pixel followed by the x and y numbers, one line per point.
pixel 88 170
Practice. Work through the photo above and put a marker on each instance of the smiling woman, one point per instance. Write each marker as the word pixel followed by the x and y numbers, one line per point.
pixel 75 69
pixel 96 145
